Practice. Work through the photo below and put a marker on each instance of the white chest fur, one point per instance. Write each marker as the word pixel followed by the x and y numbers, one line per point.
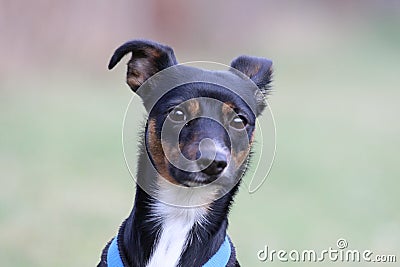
pixel 171 243
pixel 176 223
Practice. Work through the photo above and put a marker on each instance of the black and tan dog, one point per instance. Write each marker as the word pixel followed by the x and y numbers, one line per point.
pixel 194 151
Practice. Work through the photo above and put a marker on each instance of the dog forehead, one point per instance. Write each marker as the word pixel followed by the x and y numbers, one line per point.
pixel 206 95
pixel 195 82
pixel 206 106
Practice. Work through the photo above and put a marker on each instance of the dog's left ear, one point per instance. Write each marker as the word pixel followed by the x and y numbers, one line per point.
pixel 259 70
pixel 147 59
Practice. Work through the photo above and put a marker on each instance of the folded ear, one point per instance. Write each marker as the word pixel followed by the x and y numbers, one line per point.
pixel 259 70
pixel 147 59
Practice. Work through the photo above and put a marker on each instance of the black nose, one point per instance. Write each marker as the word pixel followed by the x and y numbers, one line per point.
pixel 215 167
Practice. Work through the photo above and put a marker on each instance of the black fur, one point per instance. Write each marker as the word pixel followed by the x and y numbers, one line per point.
pixel 138 235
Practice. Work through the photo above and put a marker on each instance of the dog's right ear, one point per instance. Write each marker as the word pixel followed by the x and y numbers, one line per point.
pixel 147 59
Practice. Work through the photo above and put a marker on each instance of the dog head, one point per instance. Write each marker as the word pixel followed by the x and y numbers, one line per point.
pixel 200 123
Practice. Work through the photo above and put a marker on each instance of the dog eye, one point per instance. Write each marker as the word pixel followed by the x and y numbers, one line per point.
pixel 177 115
pixel 238 122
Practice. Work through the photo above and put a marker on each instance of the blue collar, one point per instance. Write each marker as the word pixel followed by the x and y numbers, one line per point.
pixel 220 258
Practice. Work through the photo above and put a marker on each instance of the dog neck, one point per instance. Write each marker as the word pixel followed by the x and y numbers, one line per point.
pixel 158 234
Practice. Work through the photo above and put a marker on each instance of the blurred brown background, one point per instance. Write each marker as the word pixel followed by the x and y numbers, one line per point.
pixel 48 33
pixel 64 188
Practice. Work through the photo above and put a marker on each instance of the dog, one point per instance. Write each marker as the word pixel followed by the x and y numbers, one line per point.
pixel 194 149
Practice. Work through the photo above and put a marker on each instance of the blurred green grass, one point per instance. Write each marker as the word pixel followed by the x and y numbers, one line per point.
pixel 65 188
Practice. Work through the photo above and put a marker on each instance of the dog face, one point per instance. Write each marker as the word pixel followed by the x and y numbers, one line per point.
pixel 200 130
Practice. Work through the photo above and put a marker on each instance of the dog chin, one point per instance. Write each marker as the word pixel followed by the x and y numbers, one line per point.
pixel 196 180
